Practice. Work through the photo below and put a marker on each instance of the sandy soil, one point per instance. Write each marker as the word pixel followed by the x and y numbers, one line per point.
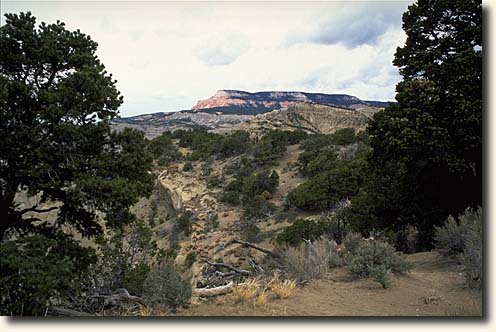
pixel 433 288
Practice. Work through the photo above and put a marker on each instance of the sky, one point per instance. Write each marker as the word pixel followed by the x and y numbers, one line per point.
pixel 168 55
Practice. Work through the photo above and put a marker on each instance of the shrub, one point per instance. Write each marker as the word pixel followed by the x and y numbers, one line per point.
pixel 451 237
pixel 124 258
pixel 258 207
pixel 153 213
pixel 188 166
pixel 214 221
pixel 164 288
pixel 230 197
pixel 190 258
pixel 352 243
pixel 344 136
pixel 373 259
pixel 185 221
pixel 259 182
pixel 300 230
pixel 381 275
pixel 214 181
pixel 164 150
pixel 289 216
pixel 333 227
pixel 252 234
pixel 464 239
pixel 311 259
pixel 327 189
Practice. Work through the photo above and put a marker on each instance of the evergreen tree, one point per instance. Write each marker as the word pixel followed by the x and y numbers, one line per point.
pixel 56 104
pixel 427 154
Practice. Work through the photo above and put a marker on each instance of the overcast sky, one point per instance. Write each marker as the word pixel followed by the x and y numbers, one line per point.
pixel 168 55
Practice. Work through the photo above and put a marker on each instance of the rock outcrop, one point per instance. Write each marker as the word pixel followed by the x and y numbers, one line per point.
pixel 309 117
pixel 241 102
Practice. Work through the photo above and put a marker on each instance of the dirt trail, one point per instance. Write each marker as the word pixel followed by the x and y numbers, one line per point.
pixel 433 288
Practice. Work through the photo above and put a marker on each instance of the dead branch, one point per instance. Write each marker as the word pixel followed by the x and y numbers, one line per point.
pixel 255 266
pixel 232 268
pixel 254 246
pixel 57 311
pixel 225 274
pixel 35 209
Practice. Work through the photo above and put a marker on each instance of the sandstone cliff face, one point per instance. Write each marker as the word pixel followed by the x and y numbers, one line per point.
pixel 231 101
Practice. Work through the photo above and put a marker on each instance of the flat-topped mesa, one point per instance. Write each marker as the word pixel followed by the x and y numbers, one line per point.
pixel 242 102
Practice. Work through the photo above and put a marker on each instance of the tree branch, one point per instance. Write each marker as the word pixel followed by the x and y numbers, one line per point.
pixel 251 245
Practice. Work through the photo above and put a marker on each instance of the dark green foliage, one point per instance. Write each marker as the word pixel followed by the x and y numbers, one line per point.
pixel 331 180
pixel 252 234
pixel 164 150
pixel 190 258
pixel 214 181
pixel 257 207
pixel 249 187
pixel 317 142
pixel 57 99
pixel 273 144
pixel 232 144
pixel 259 182
pixel 300 230
pixel 427 148
pixel 344 136
pixel 164 288
pixel 188 166
pixel 37 271
pixel 153 213
pixel 289 216
pixel 315 163
pixel 325 190
pixel 231 197
pixel 56 104
pixel 184 222
pixel 206 144
pixel 332 227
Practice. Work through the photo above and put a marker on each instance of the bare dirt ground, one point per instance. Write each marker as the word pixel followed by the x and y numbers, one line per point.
pixel 433 288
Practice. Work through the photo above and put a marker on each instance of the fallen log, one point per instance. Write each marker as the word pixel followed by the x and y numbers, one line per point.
pixel 232 268
pixel 214 291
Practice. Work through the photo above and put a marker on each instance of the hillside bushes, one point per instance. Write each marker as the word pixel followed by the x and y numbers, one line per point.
pixel 375 260
pixel 164 150
pixel 463 239
pixel 164 288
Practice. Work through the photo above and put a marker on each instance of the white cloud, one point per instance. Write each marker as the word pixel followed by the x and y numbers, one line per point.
pixel 167 55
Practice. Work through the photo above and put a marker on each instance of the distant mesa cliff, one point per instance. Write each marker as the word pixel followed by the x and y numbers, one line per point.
pixel 230 109
pixel 241 102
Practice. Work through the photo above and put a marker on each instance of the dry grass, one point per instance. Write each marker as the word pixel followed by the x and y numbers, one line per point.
pixel 261 299
pixel 311 260
pixel 246 291
pixel 282 289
